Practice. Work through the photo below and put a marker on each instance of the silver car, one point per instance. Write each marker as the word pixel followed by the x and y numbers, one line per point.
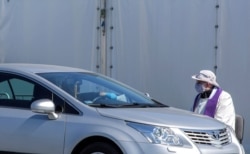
pixel 60 110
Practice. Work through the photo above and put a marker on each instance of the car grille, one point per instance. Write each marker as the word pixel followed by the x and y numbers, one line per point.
pixel 216 138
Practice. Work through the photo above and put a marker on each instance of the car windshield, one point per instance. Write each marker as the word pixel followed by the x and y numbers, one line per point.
pixel 98 90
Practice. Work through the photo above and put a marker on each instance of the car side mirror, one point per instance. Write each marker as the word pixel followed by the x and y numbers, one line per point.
pixel 44 106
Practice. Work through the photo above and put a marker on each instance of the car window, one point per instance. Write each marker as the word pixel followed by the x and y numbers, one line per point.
pixel 5 91
pixel 96 89
pixel 16 91
pixel 21 90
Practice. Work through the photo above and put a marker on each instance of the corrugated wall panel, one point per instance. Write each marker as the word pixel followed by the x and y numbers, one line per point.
pixel 234 57
pixel 55 32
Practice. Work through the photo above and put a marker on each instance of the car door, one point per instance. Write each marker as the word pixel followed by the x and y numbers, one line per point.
pixel 21 130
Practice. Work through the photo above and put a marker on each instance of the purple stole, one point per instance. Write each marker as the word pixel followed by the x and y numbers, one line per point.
pixel 211 103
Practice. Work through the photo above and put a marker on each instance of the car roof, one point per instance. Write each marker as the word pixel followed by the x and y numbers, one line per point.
pixel 37 68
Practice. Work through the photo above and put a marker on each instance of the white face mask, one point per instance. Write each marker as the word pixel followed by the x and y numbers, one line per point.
pixel 199 87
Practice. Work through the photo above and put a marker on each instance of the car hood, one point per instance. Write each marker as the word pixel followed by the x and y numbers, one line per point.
pixel 166 116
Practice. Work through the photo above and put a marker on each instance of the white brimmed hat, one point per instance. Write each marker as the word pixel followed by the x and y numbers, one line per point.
pixel 206 76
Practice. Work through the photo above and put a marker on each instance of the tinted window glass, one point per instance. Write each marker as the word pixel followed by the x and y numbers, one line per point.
pixel 16 91
pixel 22 90
pixel 91 88
pixel 5 91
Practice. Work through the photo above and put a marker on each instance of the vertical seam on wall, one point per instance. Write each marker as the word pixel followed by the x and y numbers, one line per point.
pixel 216 47
pixel 98 20
pixel 111 41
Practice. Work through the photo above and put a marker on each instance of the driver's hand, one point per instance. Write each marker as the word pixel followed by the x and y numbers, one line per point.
pixel 109 95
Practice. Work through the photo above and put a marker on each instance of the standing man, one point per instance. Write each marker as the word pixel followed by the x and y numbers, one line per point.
pixel 212 100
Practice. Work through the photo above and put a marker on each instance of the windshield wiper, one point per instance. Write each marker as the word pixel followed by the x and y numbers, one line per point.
pixel 130 105
pixel 101 105
pixel 141 105
pixel 160 104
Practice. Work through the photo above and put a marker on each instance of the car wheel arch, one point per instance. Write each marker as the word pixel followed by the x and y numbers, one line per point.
pixel 87 141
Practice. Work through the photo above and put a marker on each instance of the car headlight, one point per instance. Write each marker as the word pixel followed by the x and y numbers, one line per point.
pixel 159 134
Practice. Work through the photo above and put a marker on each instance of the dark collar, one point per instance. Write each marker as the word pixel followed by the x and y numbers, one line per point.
pixel 206 94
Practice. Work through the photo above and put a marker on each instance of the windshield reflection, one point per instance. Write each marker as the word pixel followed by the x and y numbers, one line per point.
pixel 94 89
